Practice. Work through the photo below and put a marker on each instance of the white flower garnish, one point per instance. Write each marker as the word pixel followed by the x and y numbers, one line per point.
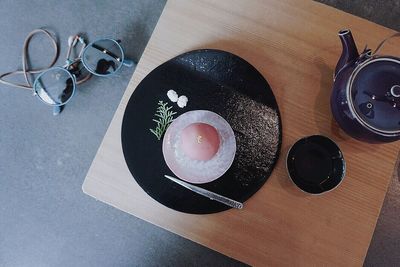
pixel 182 101
pixel 172 95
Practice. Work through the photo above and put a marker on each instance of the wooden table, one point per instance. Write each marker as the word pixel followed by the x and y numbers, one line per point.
pixel 294 44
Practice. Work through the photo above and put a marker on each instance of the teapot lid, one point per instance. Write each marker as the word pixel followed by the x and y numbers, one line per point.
pixel 374 94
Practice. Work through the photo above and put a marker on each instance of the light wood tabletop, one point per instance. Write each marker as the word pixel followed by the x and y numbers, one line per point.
pixel 294 44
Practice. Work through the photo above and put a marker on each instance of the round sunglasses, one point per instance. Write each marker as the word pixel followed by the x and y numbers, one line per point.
pixel 104 57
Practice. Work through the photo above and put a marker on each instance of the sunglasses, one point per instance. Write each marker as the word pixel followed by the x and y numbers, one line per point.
pixel 104 57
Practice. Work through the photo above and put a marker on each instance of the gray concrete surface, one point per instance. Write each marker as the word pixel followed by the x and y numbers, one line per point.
pixel 45 219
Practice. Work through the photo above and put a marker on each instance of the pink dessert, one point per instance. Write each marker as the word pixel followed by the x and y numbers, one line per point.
pixel 200 141
pixel 189 163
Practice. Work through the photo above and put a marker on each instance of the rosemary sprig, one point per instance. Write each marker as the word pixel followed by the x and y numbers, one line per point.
pixel 164 117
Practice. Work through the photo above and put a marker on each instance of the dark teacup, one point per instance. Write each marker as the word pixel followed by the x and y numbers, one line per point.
pixel 316 164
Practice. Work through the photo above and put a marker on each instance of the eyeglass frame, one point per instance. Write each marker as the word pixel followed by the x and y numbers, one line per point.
pixel 125 62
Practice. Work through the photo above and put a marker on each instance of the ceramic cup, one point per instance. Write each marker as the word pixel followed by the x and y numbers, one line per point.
pixel 316 164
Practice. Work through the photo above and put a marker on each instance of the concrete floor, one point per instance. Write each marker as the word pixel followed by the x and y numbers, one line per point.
pixel 45 219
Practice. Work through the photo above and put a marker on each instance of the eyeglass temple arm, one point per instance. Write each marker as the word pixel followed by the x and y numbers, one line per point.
pixel 126 62
pixel 72 41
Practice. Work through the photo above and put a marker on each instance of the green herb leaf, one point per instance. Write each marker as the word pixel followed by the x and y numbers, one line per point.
pixel 165 115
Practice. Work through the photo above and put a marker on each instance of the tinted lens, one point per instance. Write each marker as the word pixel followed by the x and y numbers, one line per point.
pixel 103 57
pixel 55 86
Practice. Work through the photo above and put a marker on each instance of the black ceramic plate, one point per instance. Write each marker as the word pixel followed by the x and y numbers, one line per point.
pixel 212 80
pixel 316 164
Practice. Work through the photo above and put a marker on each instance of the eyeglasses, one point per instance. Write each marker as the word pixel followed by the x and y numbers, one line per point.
pixel 56 86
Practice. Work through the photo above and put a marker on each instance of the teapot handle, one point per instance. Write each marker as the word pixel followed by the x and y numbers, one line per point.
pixel 367 52
pixel 379 47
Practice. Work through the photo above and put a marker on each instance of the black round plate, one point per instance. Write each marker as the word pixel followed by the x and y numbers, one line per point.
pixel 212 80
pixel 316 164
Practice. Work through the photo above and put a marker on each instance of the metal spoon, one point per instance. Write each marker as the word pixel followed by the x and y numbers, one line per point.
pixel 211 195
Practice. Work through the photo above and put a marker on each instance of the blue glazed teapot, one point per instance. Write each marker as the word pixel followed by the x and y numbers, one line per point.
pixel 366 93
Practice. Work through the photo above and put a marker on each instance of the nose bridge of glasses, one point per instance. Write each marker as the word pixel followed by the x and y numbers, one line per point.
pixel 75 68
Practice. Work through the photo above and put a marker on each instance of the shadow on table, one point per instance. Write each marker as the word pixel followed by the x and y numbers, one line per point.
pixel 397 170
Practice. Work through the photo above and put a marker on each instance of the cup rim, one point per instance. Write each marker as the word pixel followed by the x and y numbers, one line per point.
pixel 343 160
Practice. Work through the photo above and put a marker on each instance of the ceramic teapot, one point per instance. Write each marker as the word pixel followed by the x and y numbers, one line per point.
pixel 366 93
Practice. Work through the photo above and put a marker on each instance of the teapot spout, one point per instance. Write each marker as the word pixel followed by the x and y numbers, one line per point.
pixel 349 52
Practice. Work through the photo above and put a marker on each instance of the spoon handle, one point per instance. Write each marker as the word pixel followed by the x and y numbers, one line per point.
pixel 211 195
